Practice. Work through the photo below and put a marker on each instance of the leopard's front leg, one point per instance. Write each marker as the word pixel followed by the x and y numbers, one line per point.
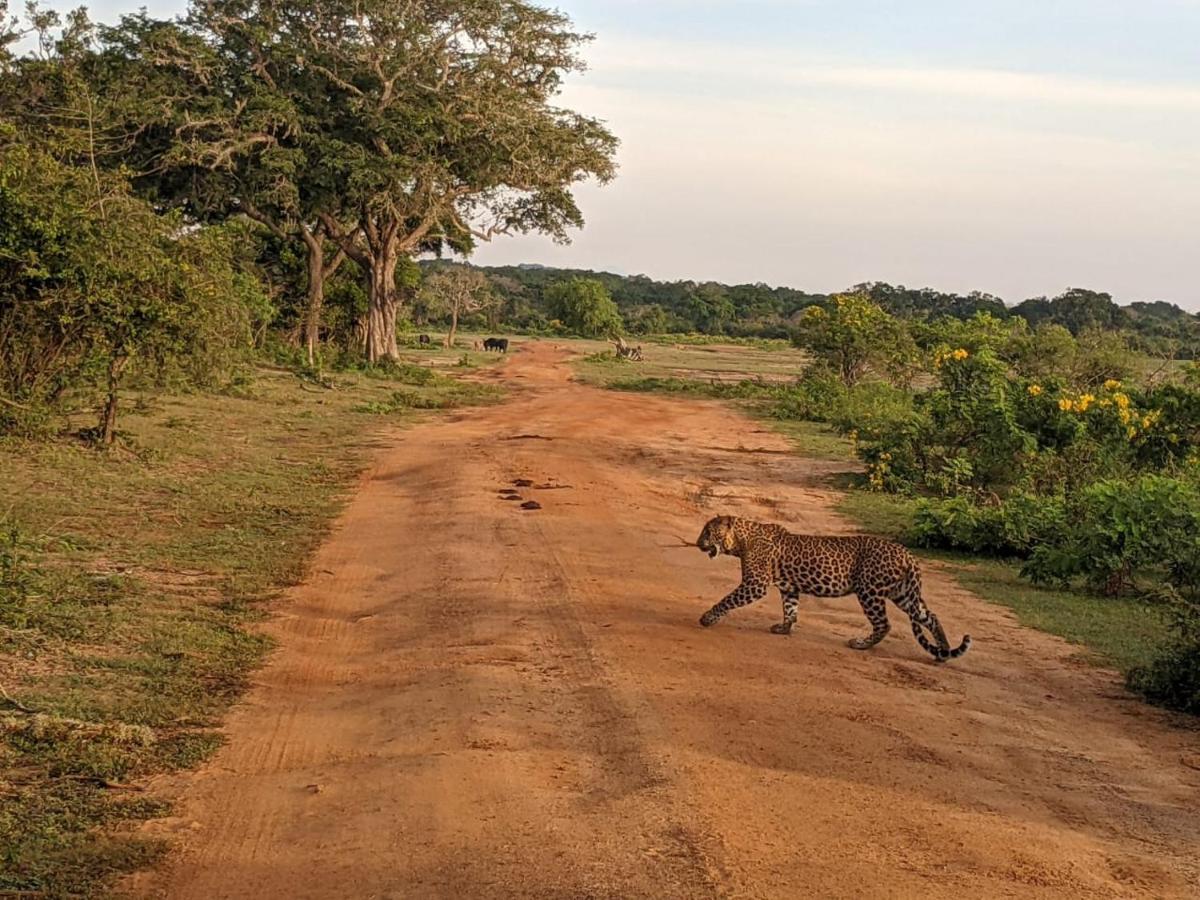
pixel 743 595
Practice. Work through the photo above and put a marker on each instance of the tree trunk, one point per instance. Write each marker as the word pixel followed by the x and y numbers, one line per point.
pixel 316 297
pixel 382 305
pixel 453 326
pixel 108 419
pixel 318 273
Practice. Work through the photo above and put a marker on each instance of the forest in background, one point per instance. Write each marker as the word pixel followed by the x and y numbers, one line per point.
pixel 648 306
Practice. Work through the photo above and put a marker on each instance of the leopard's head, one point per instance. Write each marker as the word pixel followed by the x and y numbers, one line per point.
pixel 717 536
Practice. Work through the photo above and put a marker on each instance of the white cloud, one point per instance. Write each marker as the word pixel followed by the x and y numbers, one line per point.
pixel 621 55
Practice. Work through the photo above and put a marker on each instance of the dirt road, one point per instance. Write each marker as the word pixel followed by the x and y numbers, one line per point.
pixel 471 699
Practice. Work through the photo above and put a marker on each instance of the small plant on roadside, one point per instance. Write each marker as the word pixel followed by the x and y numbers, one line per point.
pixel 17 574
pixel 1172 679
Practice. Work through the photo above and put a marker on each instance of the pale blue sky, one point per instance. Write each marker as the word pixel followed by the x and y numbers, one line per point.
pixel 1015 147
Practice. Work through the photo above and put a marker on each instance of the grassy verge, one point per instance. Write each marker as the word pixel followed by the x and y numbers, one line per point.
pixel 1122 633
pixel 129 580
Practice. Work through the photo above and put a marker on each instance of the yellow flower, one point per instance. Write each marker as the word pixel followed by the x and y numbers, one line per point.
pixel 1085 400
pixel 1112 384
pixel 1065 404
pixel 960 354
pixel 1122 400
pixel 1035 390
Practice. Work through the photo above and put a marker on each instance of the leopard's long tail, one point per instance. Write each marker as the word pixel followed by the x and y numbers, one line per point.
pixel 939 653
pixel 922 618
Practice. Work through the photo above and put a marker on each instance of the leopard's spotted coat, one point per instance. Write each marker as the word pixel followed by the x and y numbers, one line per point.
pixel 874 569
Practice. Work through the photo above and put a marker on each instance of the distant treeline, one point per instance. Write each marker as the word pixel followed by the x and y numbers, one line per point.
pixel 758 310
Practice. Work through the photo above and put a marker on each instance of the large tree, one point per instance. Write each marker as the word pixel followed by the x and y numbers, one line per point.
pixel 435 123
pixel 392 128
pixel 217 131
pixel 851 335
pixel 585 307
pixel 457 291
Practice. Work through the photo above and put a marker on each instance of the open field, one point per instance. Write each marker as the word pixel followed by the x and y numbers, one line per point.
pixel 770 361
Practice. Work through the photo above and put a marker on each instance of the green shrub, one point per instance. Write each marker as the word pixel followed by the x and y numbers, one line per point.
pixel 1013 528
pixel 1120 532
pixel 815 397
pixel 1173 678
pixel 746 389
pixel 820 396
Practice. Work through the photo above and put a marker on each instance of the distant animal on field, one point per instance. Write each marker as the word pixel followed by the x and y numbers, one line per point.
pixel 475 345
pixel 424 339
pixel 500 345
pixel 875 569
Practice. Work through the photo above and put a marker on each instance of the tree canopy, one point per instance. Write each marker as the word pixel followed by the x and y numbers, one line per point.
pixel 584 307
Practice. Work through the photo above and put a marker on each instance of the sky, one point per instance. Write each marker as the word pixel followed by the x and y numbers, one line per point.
pixel 1008 146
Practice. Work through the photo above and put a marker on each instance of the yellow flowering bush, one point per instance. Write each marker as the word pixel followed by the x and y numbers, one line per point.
pixel 944 356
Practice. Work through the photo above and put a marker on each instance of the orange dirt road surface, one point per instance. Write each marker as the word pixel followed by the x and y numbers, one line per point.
pixel 471 699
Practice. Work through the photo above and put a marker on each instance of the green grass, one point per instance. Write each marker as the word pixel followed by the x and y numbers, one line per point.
pixel 746 373
pixel 705 340
pixel 811 439
pixel 703 362
pixel 1118 632
pixel 129 584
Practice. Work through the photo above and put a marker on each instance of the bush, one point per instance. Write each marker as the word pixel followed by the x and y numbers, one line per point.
pixel 816 397
pixel 1119 532
pixel 1173 678
pixel 1013 528
pixel 85 304
pixel 584 307
pixel 820 396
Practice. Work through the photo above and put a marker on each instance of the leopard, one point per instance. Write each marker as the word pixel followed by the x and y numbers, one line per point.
pixel 875 569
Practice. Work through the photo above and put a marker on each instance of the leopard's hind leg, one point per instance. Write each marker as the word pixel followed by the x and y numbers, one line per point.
pixel 791 599
pixel 874 606
pixel 912 603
